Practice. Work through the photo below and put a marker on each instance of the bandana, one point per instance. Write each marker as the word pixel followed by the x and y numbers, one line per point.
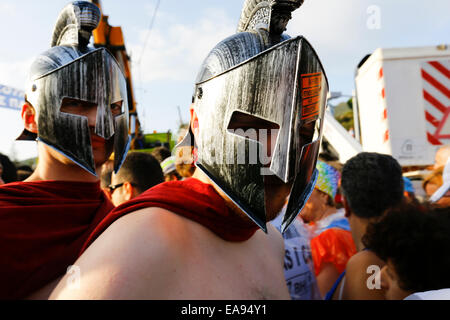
pixel 328 179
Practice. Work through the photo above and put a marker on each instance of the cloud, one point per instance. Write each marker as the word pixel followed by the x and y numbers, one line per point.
pixel 8 8
pixel 177 52
pixel 14 73
pixel 328 23
pixel 339 32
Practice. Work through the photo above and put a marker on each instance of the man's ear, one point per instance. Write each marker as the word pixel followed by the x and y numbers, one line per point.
pixel 348 211
pixel 194 120
pixel 29 118
pixel 129 191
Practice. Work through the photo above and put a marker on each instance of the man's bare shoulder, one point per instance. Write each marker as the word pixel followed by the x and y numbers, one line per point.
pixel 362 259
pixel 162 222
pixel 358 271
pixel 148 228
pixel 143 247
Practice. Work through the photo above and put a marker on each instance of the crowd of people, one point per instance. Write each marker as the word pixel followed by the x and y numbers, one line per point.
pixel 96 221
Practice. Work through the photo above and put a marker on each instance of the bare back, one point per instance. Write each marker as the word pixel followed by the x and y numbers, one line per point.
pixel 156 254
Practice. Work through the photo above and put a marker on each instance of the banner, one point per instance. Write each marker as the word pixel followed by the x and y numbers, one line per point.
pixel 11 98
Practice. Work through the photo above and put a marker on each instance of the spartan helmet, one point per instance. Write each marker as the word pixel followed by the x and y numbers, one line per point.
pixel 71 69
pixel 262 74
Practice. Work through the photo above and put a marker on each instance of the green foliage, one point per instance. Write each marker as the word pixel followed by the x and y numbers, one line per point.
pixel 343 113
pixel 153 140
pixel 346 120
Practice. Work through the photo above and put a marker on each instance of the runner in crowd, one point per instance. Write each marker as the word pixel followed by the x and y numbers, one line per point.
pixel 200 238
pixel 433 181
pixel 331 240
pixel 298 261
pixel 441 157
pixel 139 172
pixel 414 243
pixel 441 197
pixel 371 184
pixel 76 108
pixel 161 153
pixel 167 161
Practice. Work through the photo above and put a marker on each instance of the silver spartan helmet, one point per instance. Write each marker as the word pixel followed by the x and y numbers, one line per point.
pixel 263 74
pixel 71 69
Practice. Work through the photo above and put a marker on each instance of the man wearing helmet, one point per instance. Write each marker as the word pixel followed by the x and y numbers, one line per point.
pixel 256 125
pixel 76 109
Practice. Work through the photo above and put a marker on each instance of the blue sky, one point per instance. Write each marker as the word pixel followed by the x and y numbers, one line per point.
pixel 342 32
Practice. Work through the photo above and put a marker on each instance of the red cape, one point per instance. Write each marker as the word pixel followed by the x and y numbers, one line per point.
pixel 191 199
pixel 43 227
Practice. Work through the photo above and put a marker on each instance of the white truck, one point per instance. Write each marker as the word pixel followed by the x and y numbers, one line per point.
pixel 403 106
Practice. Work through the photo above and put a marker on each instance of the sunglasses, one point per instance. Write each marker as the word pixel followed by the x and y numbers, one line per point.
pixel 114 187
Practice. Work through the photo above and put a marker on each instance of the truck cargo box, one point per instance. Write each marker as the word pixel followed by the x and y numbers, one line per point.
pixel 404 103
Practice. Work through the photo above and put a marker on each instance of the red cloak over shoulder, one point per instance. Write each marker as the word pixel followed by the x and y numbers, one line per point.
pixel 191 199
pixel 43 226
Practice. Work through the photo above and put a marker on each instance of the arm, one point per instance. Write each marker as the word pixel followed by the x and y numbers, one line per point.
pixel 125 262
pixel 326 278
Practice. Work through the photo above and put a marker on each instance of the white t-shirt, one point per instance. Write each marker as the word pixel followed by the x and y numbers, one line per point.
pixel 442 294
pixel 298 262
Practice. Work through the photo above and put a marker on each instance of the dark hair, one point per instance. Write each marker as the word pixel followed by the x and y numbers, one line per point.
pixel 142 170
pixel 9 169
pixel 372 183
pixel 161 153
pixel 105 177
pixel 417 242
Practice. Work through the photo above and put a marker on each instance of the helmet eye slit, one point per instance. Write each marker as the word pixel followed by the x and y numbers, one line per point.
pixel 76 106
pixel 117 108
pixel 250 126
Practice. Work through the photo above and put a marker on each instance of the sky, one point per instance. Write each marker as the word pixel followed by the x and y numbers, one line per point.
pixel 166 59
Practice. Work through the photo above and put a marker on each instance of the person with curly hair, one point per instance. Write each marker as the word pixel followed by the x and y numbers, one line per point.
pixel 371 184
pixel 414 242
